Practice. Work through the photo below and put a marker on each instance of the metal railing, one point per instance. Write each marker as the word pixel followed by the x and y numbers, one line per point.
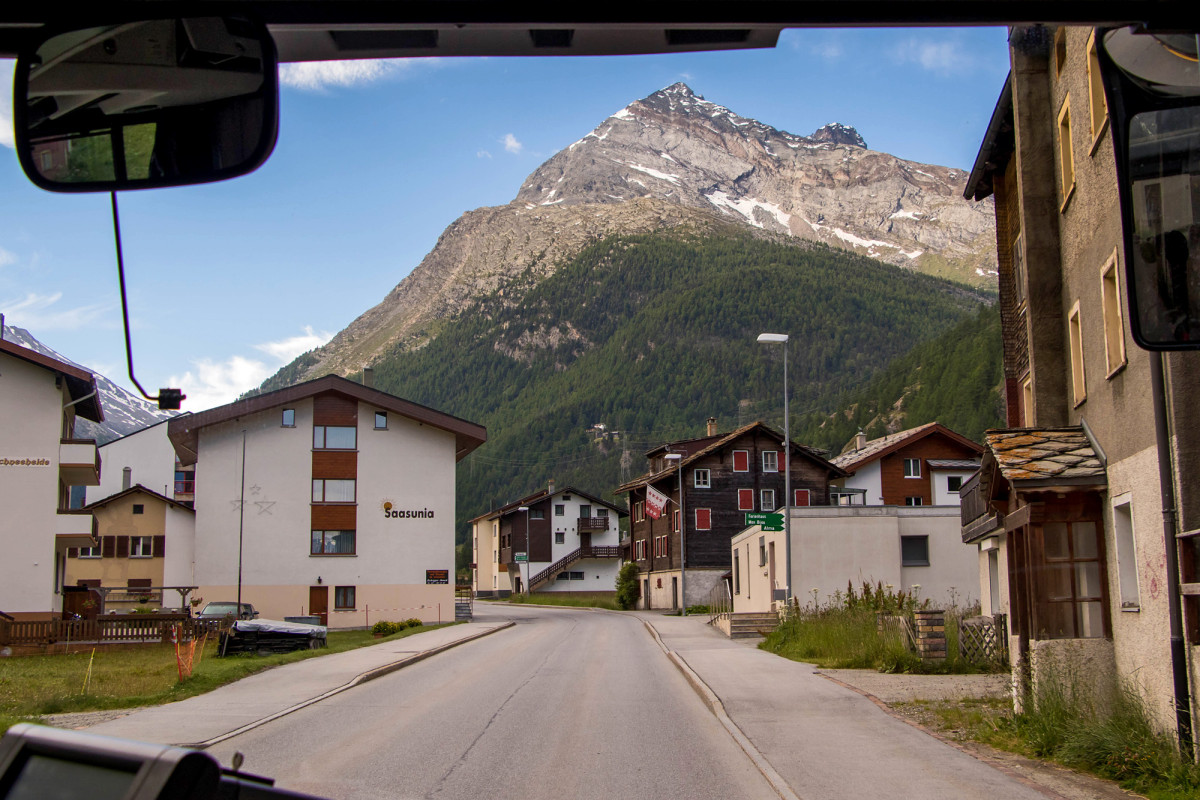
pixel 571 558
pixel 720 602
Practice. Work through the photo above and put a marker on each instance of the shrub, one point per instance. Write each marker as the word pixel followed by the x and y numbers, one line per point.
pixel 627 586
pixel 385 628
pixel 412 622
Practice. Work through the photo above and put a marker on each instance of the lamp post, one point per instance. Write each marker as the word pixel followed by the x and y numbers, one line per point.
pixel 678 457
pixel 782 338
pixel 526 510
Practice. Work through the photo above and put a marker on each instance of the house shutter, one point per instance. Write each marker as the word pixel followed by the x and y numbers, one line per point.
pixel 703 519
pixel 122 547
pixel 160 546
pixel 72 552
pixel 741 461
pixel 801 497
pixel 745 499
pixel 109 548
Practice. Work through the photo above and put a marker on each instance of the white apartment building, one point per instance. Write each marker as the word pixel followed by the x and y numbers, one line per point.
pixel 328 498
pixel 40 460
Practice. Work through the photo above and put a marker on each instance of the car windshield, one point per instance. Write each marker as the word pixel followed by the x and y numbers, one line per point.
pixel 220 608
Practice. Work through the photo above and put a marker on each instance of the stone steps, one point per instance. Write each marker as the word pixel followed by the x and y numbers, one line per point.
pixel 747 625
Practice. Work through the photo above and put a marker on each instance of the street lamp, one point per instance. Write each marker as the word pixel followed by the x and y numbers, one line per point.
pixel 678 457
pixel 526 510
pixel 782 338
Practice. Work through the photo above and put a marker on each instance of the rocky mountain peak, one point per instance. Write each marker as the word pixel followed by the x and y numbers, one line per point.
pixel 837 133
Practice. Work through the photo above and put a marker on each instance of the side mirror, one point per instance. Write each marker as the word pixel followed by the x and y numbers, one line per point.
pixel 1152 85
pixel 146 104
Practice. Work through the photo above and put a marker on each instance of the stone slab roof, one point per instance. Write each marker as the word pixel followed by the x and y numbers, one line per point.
pixel 1040 454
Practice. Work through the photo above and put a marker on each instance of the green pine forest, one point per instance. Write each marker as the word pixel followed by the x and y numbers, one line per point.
pixel 651 335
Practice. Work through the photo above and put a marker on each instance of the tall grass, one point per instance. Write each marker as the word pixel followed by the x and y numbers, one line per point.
pixel 601 600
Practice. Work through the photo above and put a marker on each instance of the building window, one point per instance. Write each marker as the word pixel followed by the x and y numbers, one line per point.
pixel 802 497
pixel 381 420
pixel 639 550
pixel 89 552
pixel 912 467
pixel 139 508
pixel 1127 568
pixel 335 437
pixel 1027 401
pixel 745 499
pixel 1060 50
pixel 537 513
pixel 602 512
pixel 770 459
pixel 762 551
pixel 333 543
pixel 560 537
pixel 1114 327
pixel 1018 260
pixel 954 484
pixel 675 520
pixel 703 519
pixel 1071 582
pixel 141 546
pixel 1098 105
pixel 289 418
pixel 914 551
pixel 702 479
pixel 326 490
pixel 1075 338
pixel 560 510
pixel 737 573
pixel 741 460
pixel 639 511
pixel 1066 155
pixel 913 501
pixel 766 500
pixel 343 598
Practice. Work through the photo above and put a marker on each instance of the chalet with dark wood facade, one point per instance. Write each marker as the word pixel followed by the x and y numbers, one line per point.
pixel 724 477
pixel 922 466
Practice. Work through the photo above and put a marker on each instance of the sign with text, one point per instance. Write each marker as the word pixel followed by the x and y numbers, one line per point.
pixel 437 576
pixel 768 522
pixel 656 501
pixel 521 558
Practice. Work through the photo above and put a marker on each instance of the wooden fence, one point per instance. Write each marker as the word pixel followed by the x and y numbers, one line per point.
pixel 144 628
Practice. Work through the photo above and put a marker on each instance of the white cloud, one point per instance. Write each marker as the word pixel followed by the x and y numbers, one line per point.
pixel 511 144
pixel 943 58
pixel 6 121
pixel 286 349
pixel 6 258
pixel 483 154
pixel 318 76
pixel 213 383
pixel 38 312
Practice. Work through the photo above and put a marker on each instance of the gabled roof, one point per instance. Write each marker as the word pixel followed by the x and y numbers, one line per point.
pixel 137 488
pixel 876 449
pixel 1033 457
pixel 998 143
pixel 720 443
pixel 546 494
pixel 80 382
pixel 184 430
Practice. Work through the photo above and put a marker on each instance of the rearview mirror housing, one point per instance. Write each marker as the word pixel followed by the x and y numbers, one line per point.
pixel 146 104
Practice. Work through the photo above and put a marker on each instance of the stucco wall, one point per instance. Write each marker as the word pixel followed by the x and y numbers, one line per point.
pixel 148 454
pixel 30 428
pixel 1080 668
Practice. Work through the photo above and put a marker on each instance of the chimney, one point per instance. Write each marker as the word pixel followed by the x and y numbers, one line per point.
pixel 860 440
pixel 126 478
pixel 551 489
pixel 712 426
pixel 368 377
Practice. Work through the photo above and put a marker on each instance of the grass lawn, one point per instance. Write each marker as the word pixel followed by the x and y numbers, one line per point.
pixel 31 686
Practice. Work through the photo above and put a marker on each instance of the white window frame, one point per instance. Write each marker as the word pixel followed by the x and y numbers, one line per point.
pixel 749 506
pixel 770 461
pixel 321 489
pixel 912 467
pixel 1128 583
pixel 765 504
pixel 702 478
pixel 746 453
pixel 141 546
pixel 707 511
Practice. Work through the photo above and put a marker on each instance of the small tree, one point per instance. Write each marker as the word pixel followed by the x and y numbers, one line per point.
pixel 627 586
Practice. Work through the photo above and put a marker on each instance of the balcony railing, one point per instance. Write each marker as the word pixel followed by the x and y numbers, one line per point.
pixel 79 462
pixel 975 513
pixel 586 524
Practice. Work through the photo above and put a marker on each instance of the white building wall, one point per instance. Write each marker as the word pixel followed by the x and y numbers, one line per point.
pixel 150 457
pixel 599 574
pixel 30 432
pixel 867 477
pixel 179 564
pixel 942 496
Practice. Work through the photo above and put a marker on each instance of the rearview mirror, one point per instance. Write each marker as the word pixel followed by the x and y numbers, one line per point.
pixel 146 104
pixel 1152 85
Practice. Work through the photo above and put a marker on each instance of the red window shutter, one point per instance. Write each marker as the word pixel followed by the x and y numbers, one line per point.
pixel 160 546
pixel 703 519
pixel 741 461
pixel 802 498
pixel 745 499
pixel 109 547
pixel 122 547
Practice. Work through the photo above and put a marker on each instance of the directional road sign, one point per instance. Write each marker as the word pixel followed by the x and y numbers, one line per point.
pixel 769 522
pixel 521 558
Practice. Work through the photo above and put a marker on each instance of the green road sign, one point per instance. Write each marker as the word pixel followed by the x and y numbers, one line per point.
pixel 769 522
pixel 521 558
pixel 771 528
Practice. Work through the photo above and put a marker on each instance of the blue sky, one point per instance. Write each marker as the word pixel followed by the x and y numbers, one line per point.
pixel 229 281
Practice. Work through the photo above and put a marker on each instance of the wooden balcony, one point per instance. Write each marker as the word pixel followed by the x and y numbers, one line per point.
pixel 589 524
pixel 975 513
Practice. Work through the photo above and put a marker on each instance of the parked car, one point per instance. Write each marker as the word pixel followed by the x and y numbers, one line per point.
pixel 222 610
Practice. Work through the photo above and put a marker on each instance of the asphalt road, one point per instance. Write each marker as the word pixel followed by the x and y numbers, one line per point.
pixel 566 703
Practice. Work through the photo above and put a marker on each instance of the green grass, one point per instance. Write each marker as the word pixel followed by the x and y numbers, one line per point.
pixel 575 600
pixel 31 686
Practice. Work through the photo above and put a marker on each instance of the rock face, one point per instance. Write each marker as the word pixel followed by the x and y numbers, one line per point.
pixel 676 160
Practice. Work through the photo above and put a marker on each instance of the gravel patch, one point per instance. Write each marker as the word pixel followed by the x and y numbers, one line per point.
pixel 78 720
pixel 900 688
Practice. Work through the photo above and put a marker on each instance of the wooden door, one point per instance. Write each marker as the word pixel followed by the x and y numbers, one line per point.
pixel 318 603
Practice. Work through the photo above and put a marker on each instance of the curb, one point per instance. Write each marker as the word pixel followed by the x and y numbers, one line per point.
pixel 710 699
pixel 361 678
